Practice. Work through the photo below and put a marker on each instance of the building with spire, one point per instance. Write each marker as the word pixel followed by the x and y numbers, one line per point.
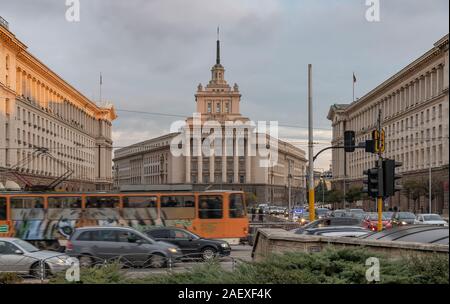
pixel 235 165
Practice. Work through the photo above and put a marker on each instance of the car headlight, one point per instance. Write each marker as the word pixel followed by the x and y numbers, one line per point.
pixel 63 261
pixel 224 245
pixel 173 250
pixel 404 223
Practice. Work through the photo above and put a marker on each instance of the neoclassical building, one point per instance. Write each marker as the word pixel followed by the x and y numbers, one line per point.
pixel 243 159
pixel 39 109
pixel 415 115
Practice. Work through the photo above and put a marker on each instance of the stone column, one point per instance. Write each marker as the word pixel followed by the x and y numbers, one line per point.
pixel 248 159
pixel 235 160
pixel 224 159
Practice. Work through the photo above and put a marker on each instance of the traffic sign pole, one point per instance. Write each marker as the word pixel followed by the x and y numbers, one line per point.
pixel 380 149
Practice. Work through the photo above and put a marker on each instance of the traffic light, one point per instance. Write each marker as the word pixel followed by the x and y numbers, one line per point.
pixel 390 177
pixel 370 145
pixel 349 141
pixel 373 184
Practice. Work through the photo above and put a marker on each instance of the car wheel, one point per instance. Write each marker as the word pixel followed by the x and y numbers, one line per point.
pixel 85 261
pixel 157 260
pixel 208 253
pixel 35 270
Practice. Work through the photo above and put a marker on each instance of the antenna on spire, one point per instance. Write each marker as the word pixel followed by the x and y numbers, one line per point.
pixel 218 47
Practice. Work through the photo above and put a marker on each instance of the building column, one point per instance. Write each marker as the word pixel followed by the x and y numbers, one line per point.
pixel 211 166
pixel 248 159
pixel 224 160
pixel 235 161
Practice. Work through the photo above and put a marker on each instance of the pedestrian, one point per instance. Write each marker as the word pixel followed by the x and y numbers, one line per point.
pixel 253 211
pixel 261 214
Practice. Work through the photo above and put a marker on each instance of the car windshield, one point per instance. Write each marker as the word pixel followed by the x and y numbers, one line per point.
pixel 432 217
pixel 406 215
pixel 26 246
pixel 374 217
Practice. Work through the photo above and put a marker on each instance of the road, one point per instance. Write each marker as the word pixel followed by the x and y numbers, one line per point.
pixel 238 253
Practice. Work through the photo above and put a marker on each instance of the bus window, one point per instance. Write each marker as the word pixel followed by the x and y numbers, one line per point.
pixel 103 208
pixel 27 208
pixel 210 207
pixel 64 207
pixel 236 207
pixel 2 209
pixel 139 207
pixel 177 207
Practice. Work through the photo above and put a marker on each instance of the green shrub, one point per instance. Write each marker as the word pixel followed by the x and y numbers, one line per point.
pixel 10 278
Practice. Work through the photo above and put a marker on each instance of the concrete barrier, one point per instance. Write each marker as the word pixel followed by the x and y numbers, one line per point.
pixel 270 241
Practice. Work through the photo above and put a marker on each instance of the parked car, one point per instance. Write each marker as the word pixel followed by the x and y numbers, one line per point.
pixel 133 248
pixel 22 257
pixel 403 218
pixel 322 212
pixel 190 243
pixel 339 213
pixel 303 218
pixel 340 231
pixel 430 219
pixel 357 213
pixel 332 221
pixel 370 221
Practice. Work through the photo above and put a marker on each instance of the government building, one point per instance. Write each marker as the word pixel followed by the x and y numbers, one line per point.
pixel 415 116
pixel 243 159
pixel 38 109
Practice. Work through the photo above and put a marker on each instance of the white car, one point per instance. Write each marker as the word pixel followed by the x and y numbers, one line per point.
pixel 430 219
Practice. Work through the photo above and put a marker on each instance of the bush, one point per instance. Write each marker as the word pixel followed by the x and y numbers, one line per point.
pixel 332 266
pixel 10 278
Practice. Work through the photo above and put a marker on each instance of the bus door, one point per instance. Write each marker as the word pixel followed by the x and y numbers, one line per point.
pixel 211 222
pixel 5 225
pixel 237 216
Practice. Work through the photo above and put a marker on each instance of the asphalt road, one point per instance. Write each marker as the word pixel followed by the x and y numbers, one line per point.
pixel 238 253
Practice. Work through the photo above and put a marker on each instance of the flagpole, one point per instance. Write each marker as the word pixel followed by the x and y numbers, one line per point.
pixel 353 82
pixel 100 101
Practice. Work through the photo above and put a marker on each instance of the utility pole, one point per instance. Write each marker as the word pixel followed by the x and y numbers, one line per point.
pixel 429 177
pixel 380 167
pixel 289 189
pixel 312 210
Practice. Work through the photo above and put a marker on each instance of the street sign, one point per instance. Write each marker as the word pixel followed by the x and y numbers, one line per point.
pixel 379 140
pixel 4 228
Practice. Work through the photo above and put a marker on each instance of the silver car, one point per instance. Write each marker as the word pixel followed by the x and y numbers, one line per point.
pixel 22 257
pixel 94 245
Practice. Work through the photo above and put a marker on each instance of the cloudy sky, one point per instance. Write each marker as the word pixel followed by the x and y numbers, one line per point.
pixel 153 53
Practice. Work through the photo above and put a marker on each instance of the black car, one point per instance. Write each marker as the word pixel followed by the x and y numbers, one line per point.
pixel 331 221
pixel 191 245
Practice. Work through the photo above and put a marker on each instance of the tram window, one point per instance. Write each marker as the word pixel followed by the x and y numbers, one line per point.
pixel 102 202
pixel 139 202
pixel 64 207
pixel 237 208
pixel 27 208
pixel 2 208
pixel 69 202
pixel 177 207
pixel 139 207
pixel 210 207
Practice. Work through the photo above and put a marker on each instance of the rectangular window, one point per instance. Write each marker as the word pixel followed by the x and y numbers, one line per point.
pixel 236 207
pixel 218 107
pixel 177 207
pixel 64 207
pixel 140 207
pixel 27 208
pixel 103 208
pixel 210 207
pixel 2 209
pixel 209 107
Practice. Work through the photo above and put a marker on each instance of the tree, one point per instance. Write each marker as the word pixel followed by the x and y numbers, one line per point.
pixel 320 190
pixel 250 198
pixel 413 189
pixel 354 194
pixel 334 196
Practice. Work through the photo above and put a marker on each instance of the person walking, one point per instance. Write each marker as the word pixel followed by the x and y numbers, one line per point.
pixel 261 214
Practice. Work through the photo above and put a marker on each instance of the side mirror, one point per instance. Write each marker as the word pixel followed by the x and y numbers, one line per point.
pixel 20 252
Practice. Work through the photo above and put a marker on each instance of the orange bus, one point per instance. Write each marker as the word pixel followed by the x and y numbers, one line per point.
pixel 48 219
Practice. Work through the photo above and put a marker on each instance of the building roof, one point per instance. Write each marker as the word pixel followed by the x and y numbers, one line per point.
pixel 429 234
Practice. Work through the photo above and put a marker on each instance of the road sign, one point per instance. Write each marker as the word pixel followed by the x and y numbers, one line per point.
pixel 379 140
pixel 4 228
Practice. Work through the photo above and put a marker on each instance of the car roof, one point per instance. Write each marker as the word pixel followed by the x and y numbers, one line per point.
pixel 104 228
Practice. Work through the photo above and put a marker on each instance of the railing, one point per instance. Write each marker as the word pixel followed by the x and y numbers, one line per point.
pixel 4 23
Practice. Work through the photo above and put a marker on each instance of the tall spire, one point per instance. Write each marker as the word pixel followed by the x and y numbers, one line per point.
pixel 218 48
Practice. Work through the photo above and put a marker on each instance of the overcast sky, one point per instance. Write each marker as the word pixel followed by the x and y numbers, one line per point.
pixel 153 53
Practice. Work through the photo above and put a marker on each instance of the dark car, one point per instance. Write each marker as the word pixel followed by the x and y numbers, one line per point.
pixel 403 218
pixel 322 212
pixel 331 221
pixel 190 244
pixel 93 245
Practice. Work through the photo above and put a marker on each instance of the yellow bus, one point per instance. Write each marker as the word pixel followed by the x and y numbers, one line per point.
pixel 48 219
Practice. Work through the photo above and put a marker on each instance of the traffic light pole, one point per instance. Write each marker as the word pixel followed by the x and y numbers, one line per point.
pixel 311 198
pixel 380 167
